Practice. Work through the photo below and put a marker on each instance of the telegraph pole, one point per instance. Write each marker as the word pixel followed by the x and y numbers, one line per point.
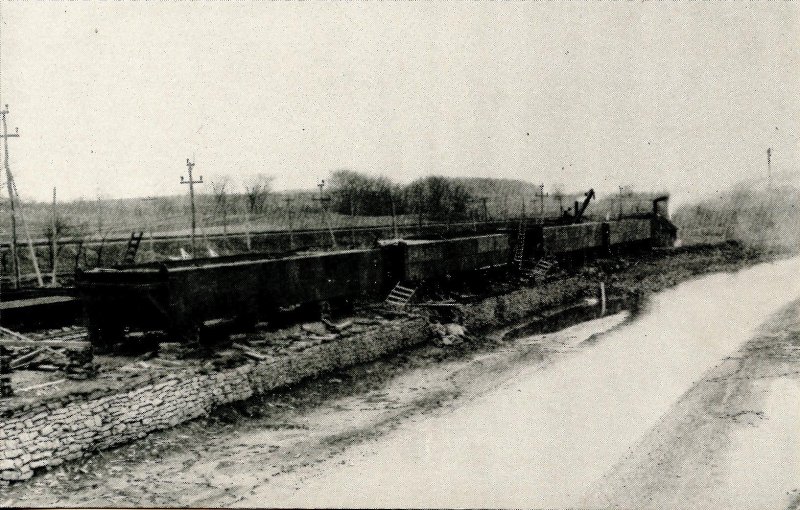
pixel 352 221
pixel 394 215
pixel 150 214
pixel 541 201
pixel 289 218
pixel 419 210
pixel 322 199
pixel 98 212
pixel 10 183
pixel 54 240
pixel 191 182
pixel 769 167
pixel 620 201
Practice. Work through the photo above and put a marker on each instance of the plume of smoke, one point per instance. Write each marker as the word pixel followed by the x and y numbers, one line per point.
pixel 759 213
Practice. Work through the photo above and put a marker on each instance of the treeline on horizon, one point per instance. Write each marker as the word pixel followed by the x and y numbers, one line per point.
pixel 349 198
pixel 754 213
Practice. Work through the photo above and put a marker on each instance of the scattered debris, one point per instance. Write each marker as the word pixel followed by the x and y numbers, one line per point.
pixel 337 328
pixel 251 353
pixel 324 338
pixel 315 327
pixel 39 386
pixel 448 334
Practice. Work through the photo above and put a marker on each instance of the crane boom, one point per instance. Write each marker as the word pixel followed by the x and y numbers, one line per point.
pixel 582 208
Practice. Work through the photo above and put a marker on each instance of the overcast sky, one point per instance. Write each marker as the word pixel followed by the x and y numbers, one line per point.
pixel 683 96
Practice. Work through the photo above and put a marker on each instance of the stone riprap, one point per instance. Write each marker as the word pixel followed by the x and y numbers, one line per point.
pixel 64 429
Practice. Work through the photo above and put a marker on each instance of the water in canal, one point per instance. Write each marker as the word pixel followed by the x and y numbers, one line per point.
pixel 543 438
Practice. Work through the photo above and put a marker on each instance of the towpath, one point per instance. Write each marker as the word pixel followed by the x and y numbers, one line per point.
pixel 668 409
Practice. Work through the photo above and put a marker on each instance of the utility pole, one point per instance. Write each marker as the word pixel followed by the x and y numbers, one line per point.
pixel 419 210
pixel 98 211
pixel 322 199
pixel 10 183
pixel 474 216
pixel 620 201
pixel 191 182
pixel 541 201
pixel 485 209
pixel 247 226
pixel 150 214
pixel 352 221
pixel 394 215
pixel 54 240
pixel 769 167
pixel 289 218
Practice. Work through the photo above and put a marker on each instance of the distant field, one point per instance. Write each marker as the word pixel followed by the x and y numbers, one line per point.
pixel 171 215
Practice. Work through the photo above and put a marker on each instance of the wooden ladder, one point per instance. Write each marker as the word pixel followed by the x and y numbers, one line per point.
pixel 542 267
pixel 133 247
pixel 400 296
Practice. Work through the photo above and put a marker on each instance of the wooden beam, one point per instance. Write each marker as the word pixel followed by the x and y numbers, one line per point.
pixel 66 344
pixel 14 339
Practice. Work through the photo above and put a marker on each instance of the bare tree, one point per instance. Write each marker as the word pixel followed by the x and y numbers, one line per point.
pixel 62 229
pixel 440 198
pixel 221 188
pixel 355 191
pixel 257 189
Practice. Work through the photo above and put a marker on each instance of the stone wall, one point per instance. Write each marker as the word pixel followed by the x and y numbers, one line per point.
pixel 506 309
pixel 62 430
pixel 48 437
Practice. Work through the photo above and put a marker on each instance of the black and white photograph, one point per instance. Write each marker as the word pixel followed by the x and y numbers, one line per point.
pixel 400 254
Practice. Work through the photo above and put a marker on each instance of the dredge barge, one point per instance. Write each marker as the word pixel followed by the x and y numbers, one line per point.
pixel 180 297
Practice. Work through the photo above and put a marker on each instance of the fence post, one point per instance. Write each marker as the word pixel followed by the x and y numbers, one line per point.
pixel 5 373
pixel 602 298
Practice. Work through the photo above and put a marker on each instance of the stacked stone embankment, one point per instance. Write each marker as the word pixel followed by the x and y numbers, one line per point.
pixel 67 428
pixel 60 430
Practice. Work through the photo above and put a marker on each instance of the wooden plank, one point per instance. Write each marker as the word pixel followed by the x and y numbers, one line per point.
pixel 66 344
pixel 19 340
pixel 25 359
pixel 39 386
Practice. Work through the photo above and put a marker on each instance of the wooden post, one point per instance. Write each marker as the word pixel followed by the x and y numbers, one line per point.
pixel 150 214
pixel 352 220
pixel 541 201
pixel 247 226
pixel 602 298
pixel 191 182
pixel 5 364
pixel 322 199
pixel 419 211
pixel 54 252
pixel 394 218
pixel 5 373
pixel 31 249
pixel 10 183
pixel 289 219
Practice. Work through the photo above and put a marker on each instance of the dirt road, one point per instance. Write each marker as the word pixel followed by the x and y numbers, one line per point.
pixel 542 438
pixel 666 410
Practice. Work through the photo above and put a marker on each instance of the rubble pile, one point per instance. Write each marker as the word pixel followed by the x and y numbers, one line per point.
pixel 448 334
pixel 76 363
